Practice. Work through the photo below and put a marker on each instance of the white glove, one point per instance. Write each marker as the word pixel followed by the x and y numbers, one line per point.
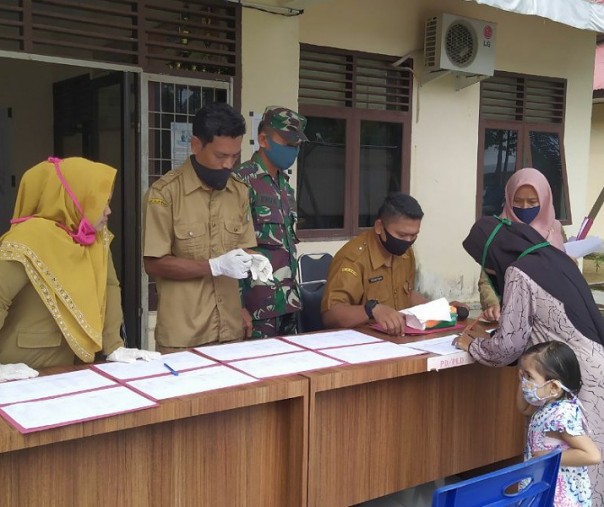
pixel 17 371
pixel 234 264
pixel 261 268
pixel 124 355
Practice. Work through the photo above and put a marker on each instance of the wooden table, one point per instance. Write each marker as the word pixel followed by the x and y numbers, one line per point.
pixel 243 446
pixel 328 438
pixel 379 428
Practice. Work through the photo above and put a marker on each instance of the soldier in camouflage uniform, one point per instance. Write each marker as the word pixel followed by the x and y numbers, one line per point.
pixel 274 305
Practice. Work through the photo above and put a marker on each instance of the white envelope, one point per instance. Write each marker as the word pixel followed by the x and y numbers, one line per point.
pixel 417 316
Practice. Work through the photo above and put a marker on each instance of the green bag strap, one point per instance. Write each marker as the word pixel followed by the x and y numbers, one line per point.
pixel 533 248
pixel 502 222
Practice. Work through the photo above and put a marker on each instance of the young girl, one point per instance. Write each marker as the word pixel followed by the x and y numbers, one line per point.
pixel 550 378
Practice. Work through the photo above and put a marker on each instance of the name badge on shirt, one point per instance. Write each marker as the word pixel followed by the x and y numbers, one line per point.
pixel 376 279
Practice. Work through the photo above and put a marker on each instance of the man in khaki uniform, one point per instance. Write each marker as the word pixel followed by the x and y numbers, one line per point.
pixel 373 275
pixel 197 223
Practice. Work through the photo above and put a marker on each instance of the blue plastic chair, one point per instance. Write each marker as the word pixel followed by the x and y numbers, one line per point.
pixel 498 489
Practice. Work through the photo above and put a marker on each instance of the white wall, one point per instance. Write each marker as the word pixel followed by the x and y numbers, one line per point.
pixel 445 121
pixel 596 167
pixel 270 61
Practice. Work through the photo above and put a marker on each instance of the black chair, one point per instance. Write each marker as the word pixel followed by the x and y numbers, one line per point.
pixel 312 275
pixel 313 267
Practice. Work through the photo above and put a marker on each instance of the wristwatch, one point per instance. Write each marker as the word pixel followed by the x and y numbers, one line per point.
pixel 369 306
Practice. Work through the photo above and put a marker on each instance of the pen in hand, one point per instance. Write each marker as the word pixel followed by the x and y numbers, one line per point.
pixel 172 370
pixel 465 332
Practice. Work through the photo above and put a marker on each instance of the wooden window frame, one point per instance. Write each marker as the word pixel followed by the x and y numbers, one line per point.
pixel 523 158
pixel 353 116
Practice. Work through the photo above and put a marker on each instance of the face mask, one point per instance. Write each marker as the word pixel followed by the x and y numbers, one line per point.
pixel 281 156
pixel 526 215
pixel 86 233
pixel 215 178
pixel 394 245
pixel 529 390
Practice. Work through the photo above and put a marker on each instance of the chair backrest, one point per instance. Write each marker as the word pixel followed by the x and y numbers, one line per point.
pixel 498 488
pixel 310 315
pixel 313 267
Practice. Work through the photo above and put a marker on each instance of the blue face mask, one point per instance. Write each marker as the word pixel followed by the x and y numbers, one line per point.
pixel 282 156
pixel 526 215
pixel 529 391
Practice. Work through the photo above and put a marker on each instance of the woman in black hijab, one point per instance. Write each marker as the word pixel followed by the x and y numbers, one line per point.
pixel 544 298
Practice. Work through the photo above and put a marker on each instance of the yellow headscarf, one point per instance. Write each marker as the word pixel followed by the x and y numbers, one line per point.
pixel 70 278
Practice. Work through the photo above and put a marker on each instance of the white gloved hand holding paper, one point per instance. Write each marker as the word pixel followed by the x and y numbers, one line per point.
pixel 234 264
pixel 261 269
pixel 124 355
pixel 16 371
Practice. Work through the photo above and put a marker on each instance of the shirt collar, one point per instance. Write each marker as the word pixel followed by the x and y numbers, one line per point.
pixel 263 171
pixel 378 255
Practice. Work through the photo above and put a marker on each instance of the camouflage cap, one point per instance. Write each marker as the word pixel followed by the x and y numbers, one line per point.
pixel 288 123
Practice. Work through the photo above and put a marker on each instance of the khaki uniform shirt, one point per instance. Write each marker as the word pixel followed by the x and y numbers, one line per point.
pixel 186 218
pixel 362 270
pixel 28 332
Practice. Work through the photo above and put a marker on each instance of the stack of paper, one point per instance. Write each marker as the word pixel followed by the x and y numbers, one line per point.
pixel 57 400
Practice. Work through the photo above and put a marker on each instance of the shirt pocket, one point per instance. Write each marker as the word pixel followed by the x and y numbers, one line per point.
pixel 377 287
pixel 39 340
pixel 231 235
pixel 269 225
pixel 191 241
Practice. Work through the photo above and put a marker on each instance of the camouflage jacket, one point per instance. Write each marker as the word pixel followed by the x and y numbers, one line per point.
pixel 274 214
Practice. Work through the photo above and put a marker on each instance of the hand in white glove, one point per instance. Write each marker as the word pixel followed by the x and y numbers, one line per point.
pixel 17 371
pixel 261 268
pixel 234 264
pixel 124 355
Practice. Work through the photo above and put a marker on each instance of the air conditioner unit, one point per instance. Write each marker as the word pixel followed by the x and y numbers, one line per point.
pixel 458 44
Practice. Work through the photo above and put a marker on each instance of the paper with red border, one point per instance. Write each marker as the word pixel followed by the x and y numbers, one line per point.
pixel 31 416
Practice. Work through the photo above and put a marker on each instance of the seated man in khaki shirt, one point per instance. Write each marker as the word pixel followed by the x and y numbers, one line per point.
pixel 373 275
pixel 197 223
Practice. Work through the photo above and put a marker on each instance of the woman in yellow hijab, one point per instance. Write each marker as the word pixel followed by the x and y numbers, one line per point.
pixel 59 294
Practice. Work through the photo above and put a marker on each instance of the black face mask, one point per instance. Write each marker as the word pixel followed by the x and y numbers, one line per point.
pixel 215 178
pixel 394 245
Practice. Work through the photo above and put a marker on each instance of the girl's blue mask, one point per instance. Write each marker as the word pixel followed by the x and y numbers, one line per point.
pixel 282 156
pixel 529 391
pixel 526 215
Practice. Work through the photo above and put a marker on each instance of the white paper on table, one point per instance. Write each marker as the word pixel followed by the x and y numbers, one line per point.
pixel 371 352
pixel 416 316
pixel 191 382
pixel 328 339
pixel 442 345
pixel 285 364
pixel 580 247
pixel 247 349
pixel 77 407
pixel 178 361
pixel 51 385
